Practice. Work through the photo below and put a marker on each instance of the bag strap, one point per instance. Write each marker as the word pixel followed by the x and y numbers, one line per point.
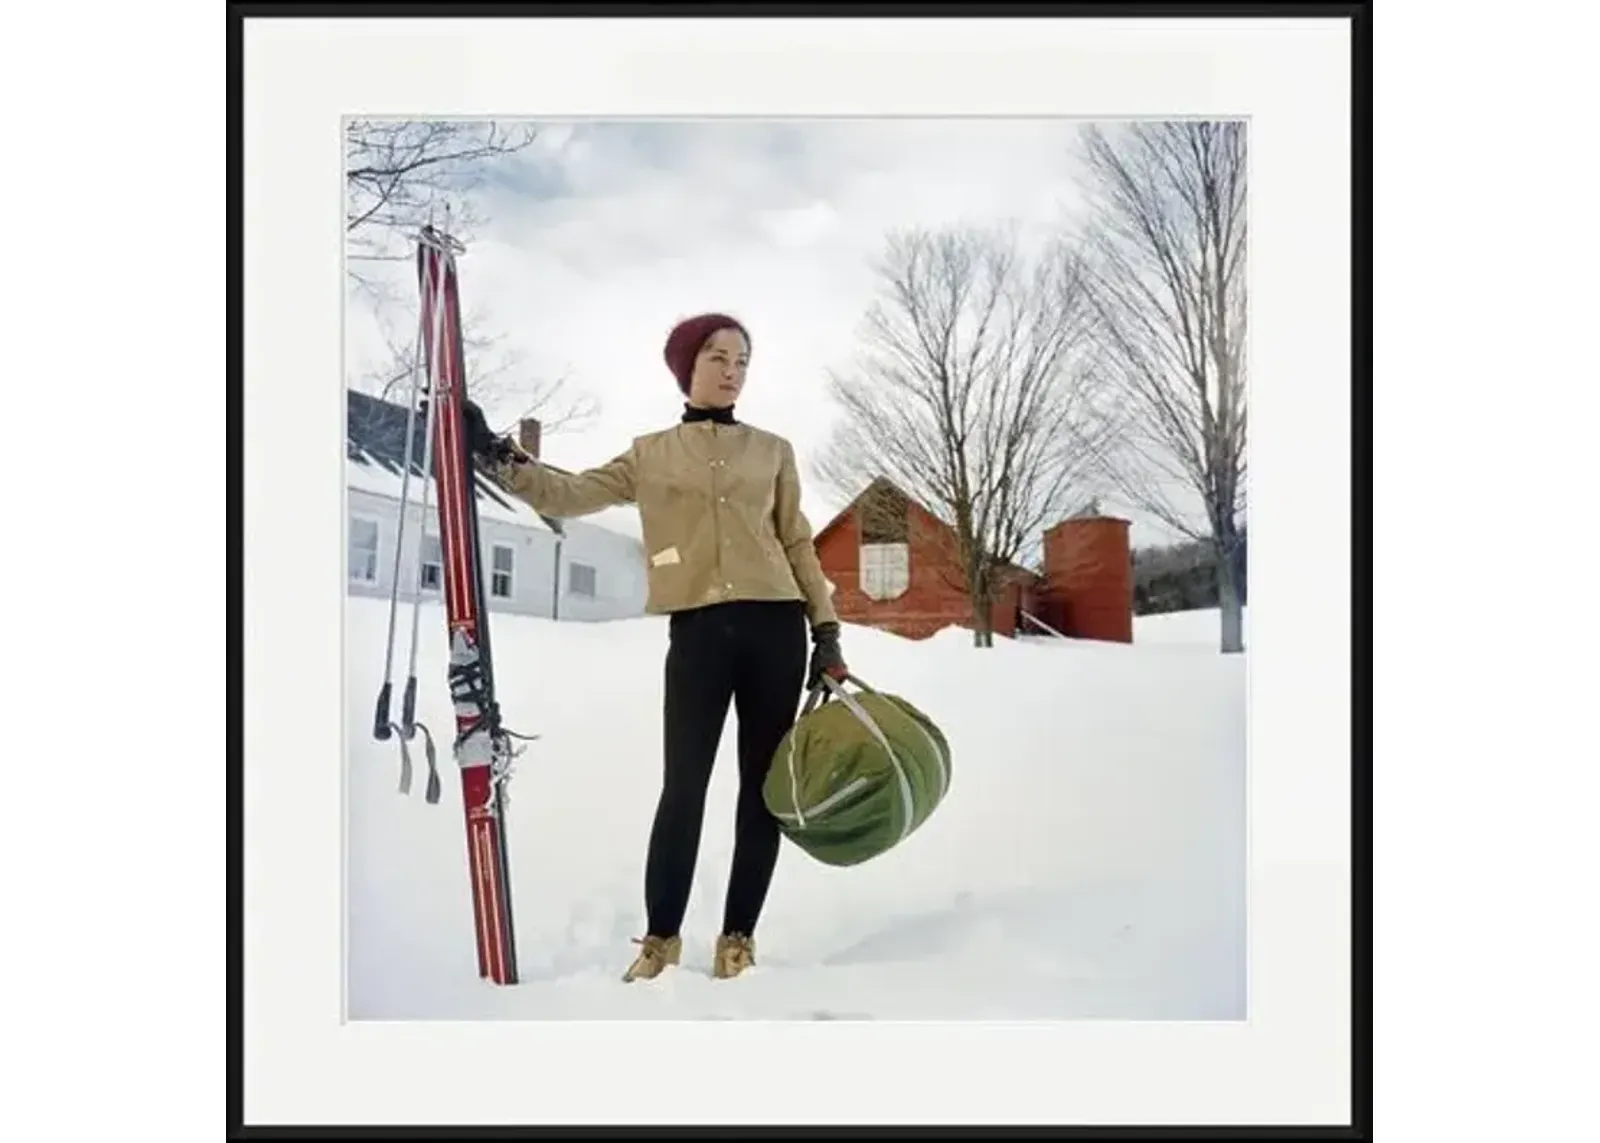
pixel 828 688
pixel 814 698
pixel 907 801
pixel 860 686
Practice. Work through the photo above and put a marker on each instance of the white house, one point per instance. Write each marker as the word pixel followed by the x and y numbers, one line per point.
pixel 597 561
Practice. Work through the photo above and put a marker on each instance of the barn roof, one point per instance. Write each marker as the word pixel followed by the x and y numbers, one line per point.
pixel 942 518
pixel 843 514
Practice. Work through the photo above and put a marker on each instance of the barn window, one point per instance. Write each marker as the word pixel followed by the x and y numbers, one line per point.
pixel 885 543
pixel 885 570
pixel 885 516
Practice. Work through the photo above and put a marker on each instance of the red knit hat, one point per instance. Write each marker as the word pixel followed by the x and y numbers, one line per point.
pixel 686 338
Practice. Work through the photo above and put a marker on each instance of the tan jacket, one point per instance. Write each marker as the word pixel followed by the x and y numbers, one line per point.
pixel 720 509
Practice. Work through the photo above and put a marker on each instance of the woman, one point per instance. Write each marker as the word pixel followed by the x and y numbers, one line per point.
pixel 731 560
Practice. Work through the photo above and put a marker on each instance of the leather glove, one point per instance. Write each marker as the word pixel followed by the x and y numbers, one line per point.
pixel 826 658
pixel 482 444
pixel 481 441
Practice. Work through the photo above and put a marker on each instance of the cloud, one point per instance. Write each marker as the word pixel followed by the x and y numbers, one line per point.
pixel 606 233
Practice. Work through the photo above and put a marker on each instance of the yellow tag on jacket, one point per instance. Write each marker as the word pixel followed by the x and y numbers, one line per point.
pixel 719 506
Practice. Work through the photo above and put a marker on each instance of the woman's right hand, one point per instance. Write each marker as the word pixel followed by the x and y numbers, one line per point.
pixel 481 441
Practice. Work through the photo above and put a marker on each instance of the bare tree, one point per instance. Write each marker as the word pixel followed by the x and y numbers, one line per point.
pixel 400 175
pixel 968 399
pixel 398 172
pixel 1166 252
pixel 497 376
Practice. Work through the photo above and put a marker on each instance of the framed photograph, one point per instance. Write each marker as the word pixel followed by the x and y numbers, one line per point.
pixel 780 545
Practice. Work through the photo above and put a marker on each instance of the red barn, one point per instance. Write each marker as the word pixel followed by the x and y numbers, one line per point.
pixel 893 565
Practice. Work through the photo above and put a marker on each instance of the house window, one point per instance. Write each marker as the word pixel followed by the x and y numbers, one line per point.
pixel 363 550
pixel 885 570
pixel 430 574
pixel 500 565
pixel 580 580
pixel 885 543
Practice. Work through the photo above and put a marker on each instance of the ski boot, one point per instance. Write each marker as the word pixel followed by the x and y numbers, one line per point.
pixel 735 953
pixel 657 954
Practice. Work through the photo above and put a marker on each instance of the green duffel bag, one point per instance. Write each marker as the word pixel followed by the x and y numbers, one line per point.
pixel 855 776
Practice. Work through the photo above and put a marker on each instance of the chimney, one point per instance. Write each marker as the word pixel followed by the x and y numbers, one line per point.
pixel 528 436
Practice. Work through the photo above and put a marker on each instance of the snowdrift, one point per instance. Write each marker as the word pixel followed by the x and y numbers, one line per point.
pixel 1090 865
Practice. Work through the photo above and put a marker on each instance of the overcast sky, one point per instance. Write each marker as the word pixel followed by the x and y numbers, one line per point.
pixel 604 234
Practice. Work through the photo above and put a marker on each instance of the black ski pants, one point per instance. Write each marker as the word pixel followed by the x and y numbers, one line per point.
pixel 753 655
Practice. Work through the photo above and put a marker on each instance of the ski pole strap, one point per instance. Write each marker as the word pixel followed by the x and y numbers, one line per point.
pixel 405 761
pixel 431 794
pixel 430 754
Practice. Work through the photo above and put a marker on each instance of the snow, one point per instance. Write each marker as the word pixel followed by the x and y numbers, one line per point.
pixel 1088 862
pixel 1199 629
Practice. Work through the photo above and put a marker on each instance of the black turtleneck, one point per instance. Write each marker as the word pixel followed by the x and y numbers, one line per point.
pixel 693 413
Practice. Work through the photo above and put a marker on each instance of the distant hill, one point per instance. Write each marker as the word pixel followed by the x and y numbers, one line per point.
pixel 1181 577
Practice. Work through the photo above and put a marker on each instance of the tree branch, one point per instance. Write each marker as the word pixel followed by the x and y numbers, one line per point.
pixel 971 396
pixel 1167 277
pixel 397 174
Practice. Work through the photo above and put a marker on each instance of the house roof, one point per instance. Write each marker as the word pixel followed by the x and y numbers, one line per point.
pixel 375 462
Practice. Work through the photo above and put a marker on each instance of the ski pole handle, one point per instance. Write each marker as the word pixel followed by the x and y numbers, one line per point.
pixel 380 722
pixel 408 709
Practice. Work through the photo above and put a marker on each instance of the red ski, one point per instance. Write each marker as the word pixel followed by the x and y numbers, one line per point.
pixel 482 746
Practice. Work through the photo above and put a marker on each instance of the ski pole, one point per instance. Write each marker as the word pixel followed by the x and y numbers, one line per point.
pixel 381 725
pixel 409 702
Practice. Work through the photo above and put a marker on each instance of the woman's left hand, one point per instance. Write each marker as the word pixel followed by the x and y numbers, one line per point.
pixel 826 658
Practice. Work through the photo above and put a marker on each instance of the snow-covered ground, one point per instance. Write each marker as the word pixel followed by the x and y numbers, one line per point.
pixel 1088 862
